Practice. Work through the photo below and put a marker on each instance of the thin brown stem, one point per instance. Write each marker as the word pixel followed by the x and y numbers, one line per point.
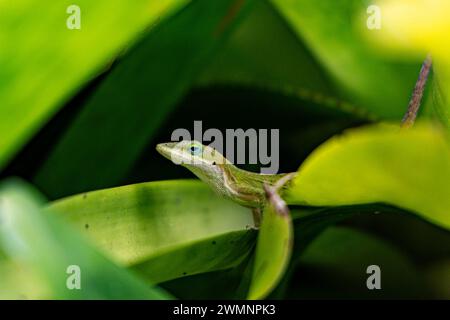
pixel 414 103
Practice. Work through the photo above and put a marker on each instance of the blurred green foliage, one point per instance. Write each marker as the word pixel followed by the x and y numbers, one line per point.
pixel 82 110
pixel 36 79
pixel 34 239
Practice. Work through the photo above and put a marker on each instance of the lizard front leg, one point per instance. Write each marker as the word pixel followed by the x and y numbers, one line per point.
pixel 256 217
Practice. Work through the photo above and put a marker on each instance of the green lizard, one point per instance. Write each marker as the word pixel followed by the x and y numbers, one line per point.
pixel 251 189
pixel 244 187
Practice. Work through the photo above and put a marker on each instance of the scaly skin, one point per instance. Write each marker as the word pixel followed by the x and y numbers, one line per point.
pixel 243 187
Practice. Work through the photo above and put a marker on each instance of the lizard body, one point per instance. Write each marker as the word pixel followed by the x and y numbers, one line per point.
pixel 241 186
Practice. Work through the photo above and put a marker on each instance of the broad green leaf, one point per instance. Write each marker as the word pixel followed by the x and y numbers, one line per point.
pixel 406 168
pixel 215 253
pixel 233 283
pixel 165 229
pixel 42 62
pixel 135 98
pixel 273 250
pixel 272 59
pixel 33 238
pixel 331 30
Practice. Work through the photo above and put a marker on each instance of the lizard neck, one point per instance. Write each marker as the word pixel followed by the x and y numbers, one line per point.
pixel 210 174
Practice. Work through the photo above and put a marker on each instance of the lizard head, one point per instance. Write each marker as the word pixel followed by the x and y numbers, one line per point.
pixel 208 164
pixel 191 154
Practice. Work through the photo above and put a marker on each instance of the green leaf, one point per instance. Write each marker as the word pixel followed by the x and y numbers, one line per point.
pixel 36 79
pixel 273 251
pixel 406 168
pixel 257 57
pixel 135 98
pixel 218 252
pixel 331 30
pixel 163 230
pixel 240 62
pixel 41 242
pixel 233 284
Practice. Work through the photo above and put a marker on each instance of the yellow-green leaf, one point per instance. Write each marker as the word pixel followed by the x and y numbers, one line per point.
pixel 406 168
pixel 165 229
pixel 273 250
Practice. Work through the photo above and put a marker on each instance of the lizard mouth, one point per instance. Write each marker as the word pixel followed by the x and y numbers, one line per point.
pixel 164 150
pixel 173 152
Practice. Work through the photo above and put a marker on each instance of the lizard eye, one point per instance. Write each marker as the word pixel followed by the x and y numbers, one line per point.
pixel 195 149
